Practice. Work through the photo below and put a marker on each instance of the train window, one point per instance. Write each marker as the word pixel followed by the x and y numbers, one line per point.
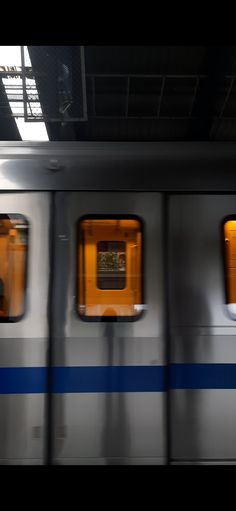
pixel 230 265
pixel 13 255
pixel 109 268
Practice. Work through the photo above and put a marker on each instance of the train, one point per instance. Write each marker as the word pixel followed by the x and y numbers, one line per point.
pixel 117 303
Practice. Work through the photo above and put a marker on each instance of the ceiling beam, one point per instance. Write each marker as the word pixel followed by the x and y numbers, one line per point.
pixel 8 126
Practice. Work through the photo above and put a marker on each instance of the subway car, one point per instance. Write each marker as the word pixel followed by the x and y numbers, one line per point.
pixel 118 303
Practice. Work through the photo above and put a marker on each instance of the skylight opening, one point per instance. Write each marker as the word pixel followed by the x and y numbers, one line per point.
pixel 10 61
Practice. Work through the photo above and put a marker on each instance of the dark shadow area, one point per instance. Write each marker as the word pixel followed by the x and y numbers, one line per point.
pixel 191 346
pixel 60 299
pixel 116 438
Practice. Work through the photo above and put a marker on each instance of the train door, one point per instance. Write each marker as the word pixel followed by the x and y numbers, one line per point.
pixel 202 328
pixel 108 347
pixel 24 277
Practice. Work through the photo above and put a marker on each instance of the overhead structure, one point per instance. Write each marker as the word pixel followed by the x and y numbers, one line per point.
pixel 53 73
pixel 59 75
pixel 125 93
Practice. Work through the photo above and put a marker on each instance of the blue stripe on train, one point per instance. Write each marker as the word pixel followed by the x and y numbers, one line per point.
pixel 23 380
pixel 109 379
pixel 202 376
pixel 29 380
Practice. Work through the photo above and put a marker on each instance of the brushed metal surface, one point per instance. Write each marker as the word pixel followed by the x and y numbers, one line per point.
pixel 21 461
pixel 20 415
pixel 120 425
pixel 23 352
pixel 203 349
pixel 196 266
pixel 116 425
pixel 110 461
pixel 203 422
pixel 24 343
pixel 160 166
pixel 95 351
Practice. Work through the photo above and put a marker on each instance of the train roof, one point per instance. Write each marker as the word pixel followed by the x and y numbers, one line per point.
pixel 139 166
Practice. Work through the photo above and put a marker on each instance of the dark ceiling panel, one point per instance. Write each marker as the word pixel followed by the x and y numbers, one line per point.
pixel 230 107
pixel 110 96
pixel 146 59
pixel 133 130
pixel 225 130
pixel 177 97
pixel 144 96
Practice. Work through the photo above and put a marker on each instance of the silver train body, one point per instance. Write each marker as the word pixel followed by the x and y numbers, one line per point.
pixel 177 401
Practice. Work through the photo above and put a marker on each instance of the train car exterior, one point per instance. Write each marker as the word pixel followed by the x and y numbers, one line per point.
pixel 117 303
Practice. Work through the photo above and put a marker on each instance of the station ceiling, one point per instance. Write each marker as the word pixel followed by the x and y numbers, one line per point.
pixel 144 93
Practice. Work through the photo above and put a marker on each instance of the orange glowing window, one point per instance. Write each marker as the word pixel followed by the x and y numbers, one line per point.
pixel 109 268
pixel 13 254
pixel 230 264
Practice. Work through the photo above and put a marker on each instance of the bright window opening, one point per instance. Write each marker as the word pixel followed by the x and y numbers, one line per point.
pixel 109 268
pixel 230 265
pixel 10 61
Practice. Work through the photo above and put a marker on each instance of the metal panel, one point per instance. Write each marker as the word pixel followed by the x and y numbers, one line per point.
pixel 203 424
pixel 100 425
pixel 112 425
pixel 22 427
pixel 24 344
pixel 196 266
pixel 145 166
pixel 202 421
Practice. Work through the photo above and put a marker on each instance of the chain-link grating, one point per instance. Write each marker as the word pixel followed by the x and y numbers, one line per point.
pixel 48 86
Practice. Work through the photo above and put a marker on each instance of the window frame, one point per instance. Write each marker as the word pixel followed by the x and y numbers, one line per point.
pixel 108 319
pixel 16 319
